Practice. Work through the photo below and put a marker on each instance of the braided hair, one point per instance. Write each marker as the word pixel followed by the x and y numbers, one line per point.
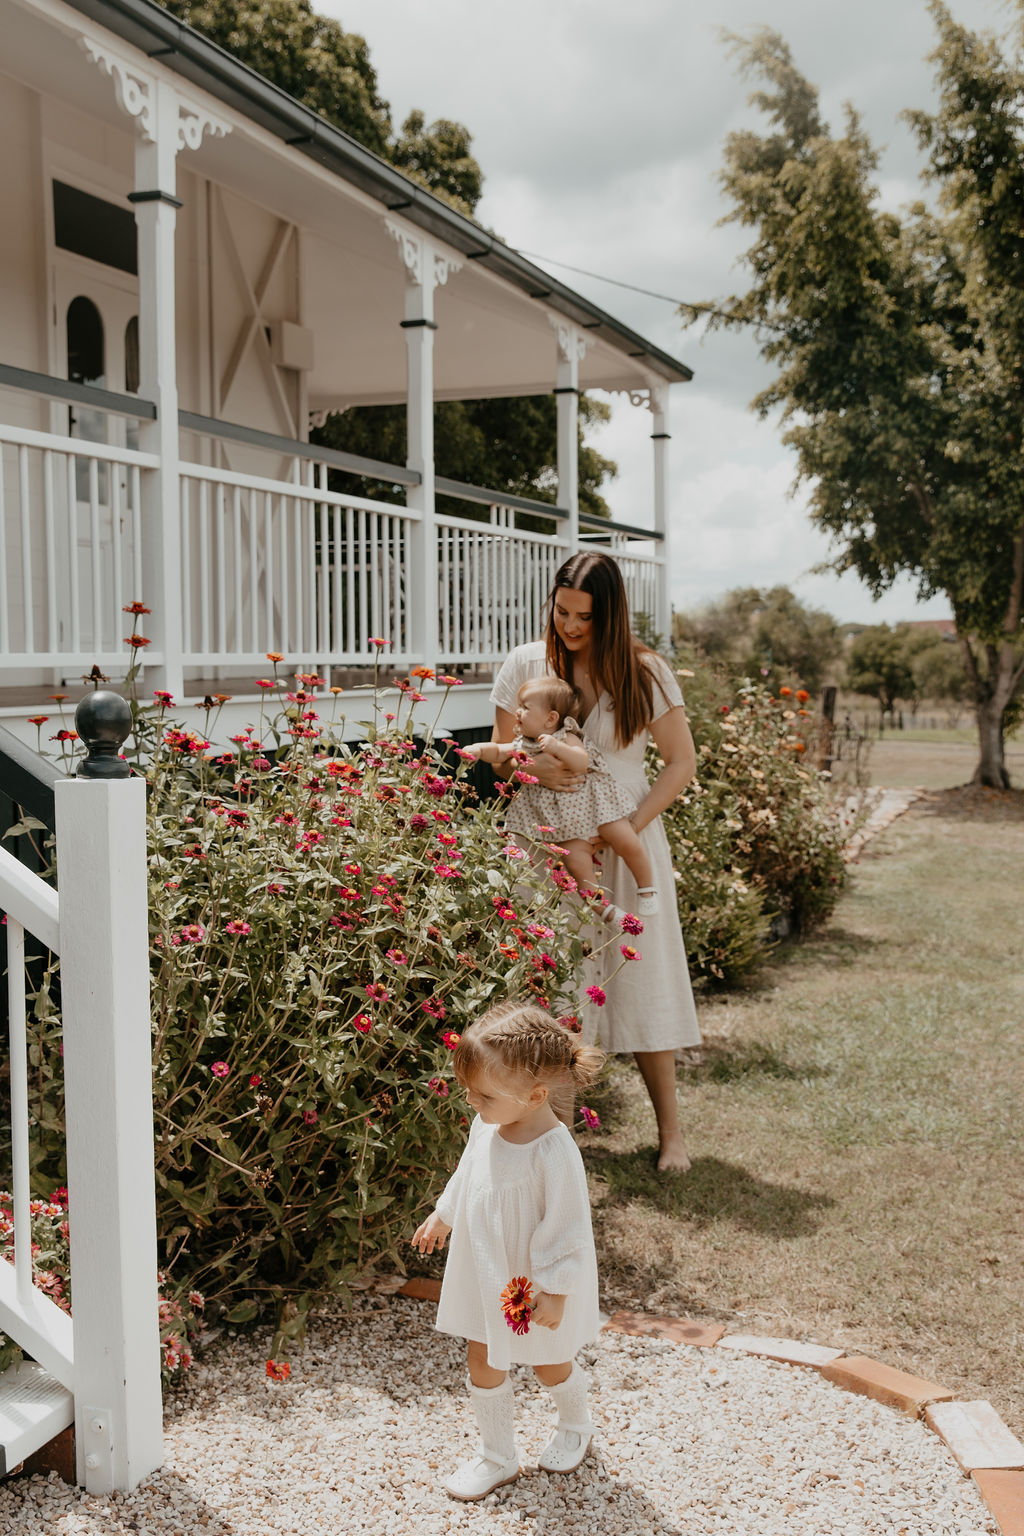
pixel 521 1040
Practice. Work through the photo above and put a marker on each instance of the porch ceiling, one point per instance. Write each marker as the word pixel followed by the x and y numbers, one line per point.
pixel 495 334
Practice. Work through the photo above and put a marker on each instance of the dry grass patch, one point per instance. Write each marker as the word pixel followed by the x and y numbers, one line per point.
pixel 855 1122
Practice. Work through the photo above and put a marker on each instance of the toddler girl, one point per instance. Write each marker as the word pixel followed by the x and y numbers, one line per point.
pixel 516 1207
pixel 601 808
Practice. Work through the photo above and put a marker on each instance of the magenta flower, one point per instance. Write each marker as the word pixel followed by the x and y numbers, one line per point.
pixel 417 823
pixel 591 1117
pixel 192 933
pixel 377 991
pixel 451 1039
pixel 376 640
pixel 220 1069
pixel 310 1117
pixel 396 957
pixel 631 924
pixel 521 777
pixel 597 996
pixel 363 1023
pixel 255 1080
pixel 242 929
pixel 439 1086
pixel 434 1007
pixel 628 952
pixel 447 872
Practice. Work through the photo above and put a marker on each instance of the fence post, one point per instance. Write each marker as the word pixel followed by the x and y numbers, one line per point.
pixel 101 868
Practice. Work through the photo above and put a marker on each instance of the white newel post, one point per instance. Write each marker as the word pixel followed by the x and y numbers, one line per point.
pixel 101 842
pixel 572 348
pixel 426 269
pixel 661 437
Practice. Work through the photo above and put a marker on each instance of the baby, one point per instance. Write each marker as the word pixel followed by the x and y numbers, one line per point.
pixel 601 808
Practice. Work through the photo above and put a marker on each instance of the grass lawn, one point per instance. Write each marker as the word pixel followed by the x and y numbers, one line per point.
pixel 906 759
pixel 855 1124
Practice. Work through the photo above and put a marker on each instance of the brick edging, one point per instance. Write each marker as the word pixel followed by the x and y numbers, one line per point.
pixel 981 1444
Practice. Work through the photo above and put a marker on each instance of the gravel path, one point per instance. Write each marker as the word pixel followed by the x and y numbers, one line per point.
pixel 692 1442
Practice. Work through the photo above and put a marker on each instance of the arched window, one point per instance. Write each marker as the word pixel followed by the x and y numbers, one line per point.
pixel 85 342
pixel 131 356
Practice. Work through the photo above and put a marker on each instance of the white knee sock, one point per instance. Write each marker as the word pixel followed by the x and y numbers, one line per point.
pixel 571 1401
pixel 495 1411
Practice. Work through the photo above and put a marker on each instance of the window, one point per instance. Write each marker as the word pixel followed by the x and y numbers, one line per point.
pixel 90 226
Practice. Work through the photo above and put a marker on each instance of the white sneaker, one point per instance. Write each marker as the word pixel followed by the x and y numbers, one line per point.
pixel 564 1451
pixel 646 902
pixel 477 1478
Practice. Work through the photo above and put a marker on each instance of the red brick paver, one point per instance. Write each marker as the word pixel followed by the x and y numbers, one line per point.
pixel 679 1330
pixel 885 1385
pixel 1003 1492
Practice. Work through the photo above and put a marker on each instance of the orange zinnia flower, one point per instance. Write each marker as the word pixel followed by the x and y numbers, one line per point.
pixel 517 1304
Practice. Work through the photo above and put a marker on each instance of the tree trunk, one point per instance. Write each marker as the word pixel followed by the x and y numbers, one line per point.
pixel 991 769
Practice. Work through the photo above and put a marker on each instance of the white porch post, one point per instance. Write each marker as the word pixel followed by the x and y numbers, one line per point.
pixel 167 120
pixel 661 437
pixel 155 215
pixel 571 349
pixel 101 852
pixel 425 269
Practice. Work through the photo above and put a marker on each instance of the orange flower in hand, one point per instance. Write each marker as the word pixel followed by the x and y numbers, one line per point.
pixel 517 1304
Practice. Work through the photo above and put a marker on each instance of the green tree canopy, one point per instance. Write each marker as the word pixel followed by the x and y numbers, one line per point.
pixel 764 633
pixel 880 665
pixel 899 342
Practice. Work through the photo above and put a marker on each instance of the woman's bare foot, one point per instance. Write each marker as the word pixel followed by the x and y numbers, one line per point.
pixel 672 1157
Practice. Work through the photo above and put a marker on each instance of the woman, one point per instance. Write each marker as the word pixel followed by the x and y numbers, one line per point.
pixel 629 695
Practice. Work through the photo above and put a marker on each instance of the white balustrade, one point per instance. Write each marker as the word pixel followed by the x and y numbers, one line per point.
pixel 493 580
pixel 296 568
pixel 70 548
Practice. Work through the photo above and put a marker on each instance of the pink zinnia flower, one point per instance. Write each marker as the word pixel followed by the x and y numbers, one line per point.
pixel 363 1023
pixel 242 929
pixel 310 1117
pixel 434 1007
pixel 631 924
pixel 628 952
pixel 451 1039
pixel 220 1069
pixel 193 933
pixel 377 991
pixel 597 996
pixel 255 1080
pixel 592 1118
pixel 378 642
pixel 439 1086
pixel 396 957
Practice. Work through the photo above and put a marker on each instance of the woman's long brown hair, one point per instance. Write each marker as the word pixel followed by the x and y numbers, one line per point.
pixel 618 662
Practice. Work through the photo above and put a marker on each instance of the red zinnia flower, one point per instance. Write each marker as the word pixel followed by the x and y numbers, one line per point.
pixel 136 608
pixel 278 1370
pixel 517 1304
pixel 363 1023
pixel 137 641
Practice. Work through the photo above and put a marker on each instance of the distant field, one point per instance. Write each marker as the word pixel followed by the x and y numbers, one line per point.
pixel 906 759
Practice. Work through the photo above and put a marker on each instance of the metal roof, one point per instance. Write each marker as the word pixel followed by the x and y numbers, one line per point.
pixel 158 34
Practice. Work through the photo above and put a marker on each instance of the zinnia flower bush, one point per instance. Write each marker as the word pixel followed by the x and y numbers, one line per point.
pixel 325 920
pixel 759 836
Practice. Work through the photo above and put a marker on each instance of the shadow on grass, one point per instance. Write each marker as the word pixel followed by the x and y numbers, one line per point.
pixel 973 802
pixel 729 1061
pixel 713 1192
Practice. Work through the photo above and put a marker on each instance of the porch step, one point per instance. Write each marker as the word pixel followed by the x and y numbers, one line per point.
pixel 33 1408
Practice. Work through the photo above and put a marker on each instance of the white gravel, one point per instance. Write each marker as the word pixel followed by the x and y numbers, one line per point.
pixel 692 1443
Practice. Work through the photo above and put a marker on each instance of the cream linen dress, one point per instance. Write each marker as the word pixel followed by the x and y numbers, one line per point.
pixel 649 1003
pixel 518 1210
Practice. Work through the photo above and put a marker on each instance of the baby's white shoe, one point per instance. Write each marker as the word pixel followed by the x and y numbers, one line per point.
pixel 646 901
pixel 566 1448
pixel 477 1478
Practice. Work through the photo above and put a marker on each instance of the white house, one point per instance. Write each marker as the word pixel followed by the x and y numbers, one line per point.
pixel 194 267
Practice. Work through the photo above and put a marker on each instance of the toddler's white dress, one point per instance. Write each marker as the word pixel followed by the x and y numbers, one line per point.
pixel 518 1210
pixel 600 799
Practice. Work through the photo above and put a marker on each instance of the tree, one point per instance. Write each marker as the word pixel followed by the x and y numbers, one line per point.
pixel 899 342
pixel 939 673
pixel 764 633
pixel 880 664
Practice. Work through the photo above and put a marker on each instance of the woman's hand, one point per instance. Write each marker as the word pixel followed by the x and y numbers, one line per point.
pixel 549 772
pixel 430 1234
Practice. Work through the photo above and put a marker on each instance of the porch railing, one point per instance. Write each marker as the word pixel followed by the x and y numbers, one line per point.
pixel 273 555
pixel 107 1353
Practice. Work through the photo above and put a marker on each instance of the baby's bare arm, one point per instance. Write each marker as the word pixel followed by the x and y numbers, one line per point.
pixel 572 753
pixel 489 751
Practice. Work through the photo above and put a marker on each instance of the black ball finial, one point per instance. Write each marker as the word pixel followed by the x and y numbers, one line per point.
pixel 103 721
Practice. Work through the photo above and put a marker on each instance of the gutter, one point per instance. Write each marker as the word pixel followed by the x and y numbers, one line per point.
pixel 161 36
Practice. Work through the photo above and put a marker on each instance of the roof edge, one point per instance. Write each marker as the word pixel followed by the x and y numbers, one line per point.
pixel 147 26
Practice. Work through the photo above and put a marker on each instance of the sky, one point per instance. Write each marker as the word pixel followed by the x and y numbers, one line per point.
pixel 599 126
